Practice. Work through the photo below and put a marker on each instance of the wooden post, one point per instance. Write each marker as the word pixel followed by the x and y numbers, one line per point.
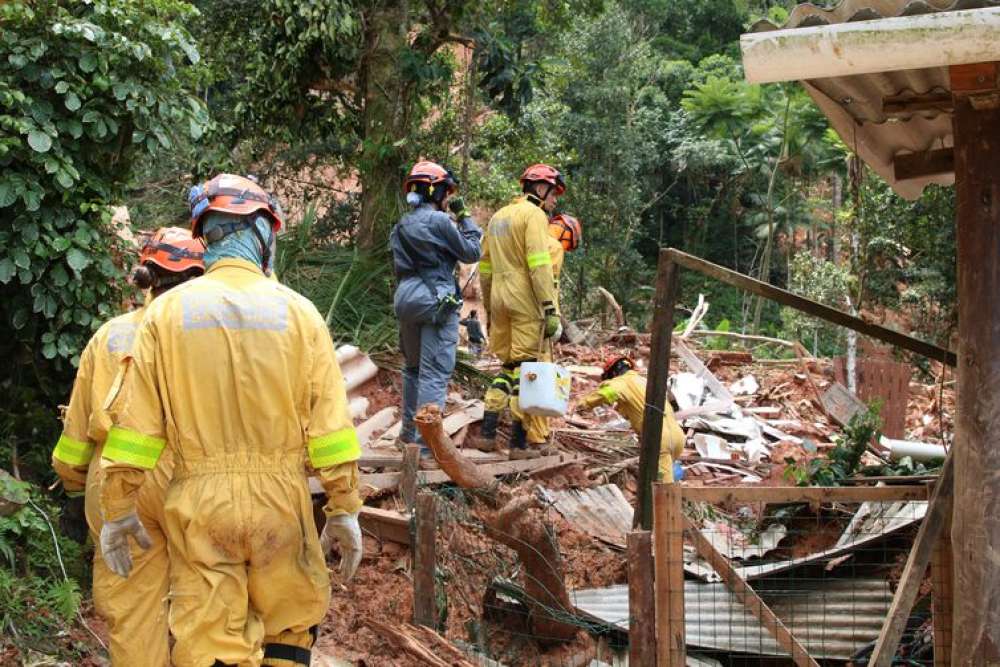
pixel 942 595
pixel 748 596
pixel 641 600
pixel 667 285
pixel 976 520
pixel 425 610
pixel 408 479
pixel 939 508
pixel 668 558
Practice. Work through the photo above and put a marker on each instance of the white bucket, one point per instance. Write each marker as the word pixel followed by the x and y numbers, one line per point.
pixel 544 389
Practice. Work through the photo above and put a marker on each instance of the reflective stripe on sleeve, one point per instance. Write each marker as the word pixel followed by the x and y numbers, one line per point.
pixel 539 259
pixel 127 446
pixel 609 394
pixel 72 451
pixel 334 448
pixel 485 268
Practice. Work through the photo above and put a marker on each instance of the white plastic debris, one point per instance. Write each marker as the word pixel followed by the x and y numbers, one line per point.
pixel 688 390
pixel 747 386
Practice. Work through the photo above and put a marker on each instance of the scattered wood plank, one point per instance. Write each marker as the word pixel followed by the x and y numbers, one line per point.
pixel 385 524
pixel 753 602
pixel 841 404
pixel 926 542
pixel 379 421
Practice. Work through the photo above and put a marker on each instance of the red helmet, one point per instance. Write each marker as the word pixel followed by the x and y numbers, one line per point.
pixel 173 249
pixel 567 230
pixel 612 368
pixel 545 174
pixel 431 173
pixel 228 193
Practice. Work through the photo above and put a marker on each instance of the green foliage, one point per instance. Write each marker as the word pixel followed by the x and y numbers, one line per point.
pixel 823 281
pixel 85 89
pixel 845 458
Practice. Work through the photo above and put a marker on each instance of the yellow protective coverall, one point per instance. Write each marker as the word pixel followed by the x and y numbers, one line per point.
pixel 236 375
pixel 135 609
pixel 515 273
pixel 627 394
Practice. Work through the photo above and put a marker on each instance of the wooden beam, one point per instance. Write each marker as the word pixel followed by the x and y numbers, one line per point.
pixel 942 595
pixel 641 599
pixel 905 105
pixel 753 602
pixel 385 524
pixel 938 511
pixel 918 165
pixel 425 610
pixel 408 479
pixel 808 306
pixel 803 494
pixel 668 559
pixel 973 77
pixel 667 286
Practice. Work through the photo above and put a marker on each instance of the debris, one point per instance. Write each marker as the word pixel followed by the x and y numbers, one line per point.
pixel 712 446
pixel 358 407
pixel 841 404
pixel 385 524
pixel 411 639
pixel 748 386
pixel 732 542
pixel 720 358
pixel 602 511
pixel 698 368
pixel 381 420
pixel 697 315
pixel 356 367
pixel 613 304
pixel 688 390
pixel 918 451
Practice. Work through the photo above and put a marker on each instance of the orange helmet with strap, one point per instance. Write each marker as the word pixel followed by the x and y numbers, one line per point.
pixel 545 174
pixel 430 173
pixel 567 230
pixel 616 365
pixel 228 193
pixel 174 249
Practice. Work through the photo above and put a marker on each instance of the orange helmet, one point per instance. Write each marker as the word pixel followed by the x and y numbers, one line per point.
pixel 431 173
pixel 545 174
pixel 567 230
pixel 174 249
pixel 617 365
pixel 228 193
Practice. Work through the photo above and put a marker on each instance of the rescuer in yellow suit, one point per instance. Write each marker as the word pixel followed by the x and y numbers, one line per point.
pixel 519 293
pixel 236 375
pixel 625 390
pixel 135 610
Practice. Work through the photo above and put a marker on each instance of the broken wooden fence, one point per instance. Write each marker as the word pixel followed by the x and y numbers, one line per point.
pixel 809 618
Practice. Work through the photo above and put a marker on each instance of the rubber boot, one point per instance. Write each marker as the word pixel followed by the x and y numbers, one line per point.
pixel 519 444
pixel 486 441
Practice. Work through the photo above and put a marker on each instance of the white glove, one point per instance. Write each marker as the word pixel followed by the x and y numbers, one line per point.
pixel 345 529
pixel 557 336
pixel 114 542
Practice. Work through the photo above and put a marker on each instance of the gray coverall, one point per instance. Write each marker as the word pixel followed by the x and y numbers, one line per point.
pixel 425 246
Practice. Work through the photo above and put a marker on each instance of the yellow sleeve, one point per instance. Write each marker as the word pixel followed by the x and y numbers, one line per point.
pixel 606 394
pixel 137 439
pixel 333 444
pixel 536 248
pixel 74 449
pixel 485 273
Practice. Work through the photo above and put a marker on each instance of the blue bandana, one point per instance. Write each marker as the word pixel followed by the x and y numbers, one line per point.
pixel 241 244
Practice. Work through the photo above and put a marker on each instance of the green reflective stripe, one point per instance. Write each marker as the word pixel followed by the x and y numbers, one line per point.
pixel 334 448
pixel 72 451
pixel 539 259
pixel 609 394
pixel 485 268
pixel 127 446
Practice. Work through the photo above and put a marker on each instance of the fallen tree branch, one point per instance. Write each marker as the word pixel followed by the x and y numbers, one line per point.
pixel 619 315
pixel 462 470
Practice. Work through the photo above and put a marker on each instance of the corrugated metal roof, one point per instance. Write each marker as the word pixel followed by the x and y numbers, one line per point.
pixel 833 618
pixel 853 104
pixel 602 511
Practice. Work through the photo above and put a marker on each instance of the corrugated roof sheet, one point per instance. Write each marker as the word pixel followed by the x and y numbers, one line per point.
pixel 833 618
pixel 602 511
pixel 853 104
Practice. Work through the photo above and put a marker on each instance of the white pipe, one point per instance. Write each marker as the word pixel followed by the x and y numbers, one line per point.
pixel 864 47
pixel 347 354
pixel 359 371
pixel 918 451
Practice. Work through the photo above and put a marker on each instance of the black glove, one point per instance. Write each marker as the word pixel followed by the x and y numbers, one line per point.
pixel 73 520
pixel 457 206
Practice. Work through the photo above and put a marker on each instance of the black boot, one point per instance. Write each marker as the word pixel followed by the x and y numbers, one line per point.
pixel 519 443
pixel 486 441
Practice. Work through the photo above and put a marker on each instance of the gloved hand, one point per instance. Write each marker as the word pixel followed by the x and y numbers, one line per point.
pixel 73 520
pixel 457 206
pixel 114 542
pixel 553 325
pixel 345 529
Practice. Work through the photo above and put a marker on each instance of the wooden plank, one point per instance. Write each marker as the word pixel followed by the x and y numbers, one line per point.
pixel 841 404
pixel 907 166
pixel 753 602
pixel 675 572
pixel 385 524
pixel 971 78
pixel 641 599
pixel 888 380
pixel 942 595
pixel 408 479
pixel 666 625
pixel 803 494
pixel 425 561
pixel 904 105
pixel 808 306
pixel 667 286
pixel 938 511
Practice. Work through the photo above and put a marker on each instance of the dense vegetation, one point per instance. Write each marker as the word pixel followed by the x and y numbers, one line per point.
pixel 641 103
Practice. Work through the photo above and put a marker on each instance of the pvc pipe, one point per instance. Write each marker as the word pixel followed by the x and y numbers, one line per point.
pixel 864 47
pixel 358 371
pixel 918 451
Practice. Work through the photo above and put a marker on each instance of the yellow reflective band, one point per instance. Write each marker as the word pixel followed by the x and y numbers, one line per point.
pixel 334 448
pixel 125 446
pixel 72 451
pixel 609 394
pixel 485 269
pixel 539 259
